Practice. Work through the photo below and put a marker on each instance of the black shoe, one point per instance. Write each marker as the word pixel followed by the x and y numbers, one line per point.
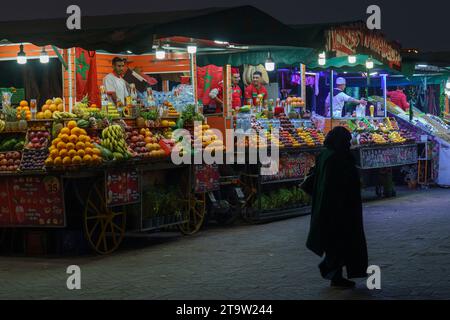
pixel 343 283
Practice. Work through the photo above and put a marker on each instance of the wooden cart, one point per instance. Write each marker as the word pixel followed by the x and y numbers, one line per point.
pixel 105 214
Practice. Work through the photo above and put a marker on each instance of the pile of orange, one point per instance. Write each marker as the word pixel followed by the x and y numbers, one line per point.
pixel 73 146
pixel 49 107
pixel 23 109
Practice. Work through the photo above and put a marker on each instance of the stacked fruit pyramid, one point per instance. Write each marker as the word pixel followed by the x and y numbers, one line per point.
pixel 143 143
pixel 50 106
pixel 205 138
pixel 23 111
pixel 311 137
pixel 73 146
pixel 170 111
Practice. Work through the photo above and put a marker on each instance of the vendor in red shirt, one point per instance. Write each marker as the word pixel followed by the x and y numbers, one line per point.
pixel 216 94
pixel 256 88
pixel 399 98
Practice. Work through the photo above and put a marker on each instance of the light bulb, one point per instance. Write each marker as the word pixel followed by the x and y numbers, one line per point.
pixel 269 64
pixel 351 59
pixel 21 56
pixel 160 53
pixel 447 85
pixel 192 48
pixel 44 58
pixel 21 59
pixel 369 63
pixel 322 59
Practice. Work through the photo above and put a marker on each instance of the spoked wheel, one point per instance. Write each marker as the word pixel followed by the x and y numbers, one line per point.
pixel 196 208
pixel 104 227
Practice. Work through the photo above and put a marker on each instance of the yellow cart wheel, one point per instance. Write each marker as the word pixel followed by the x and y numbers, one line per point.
pixel 104 227
pixel 196 209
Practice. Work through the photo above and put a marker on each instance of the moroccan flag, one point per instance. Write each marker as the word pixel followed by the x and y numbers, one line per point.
pixel 86 75
pixel 207 78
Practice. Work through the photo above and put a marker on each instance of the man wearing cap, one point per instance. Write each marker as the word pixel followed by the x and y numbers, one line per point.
pixel 340 98
pixel 216 94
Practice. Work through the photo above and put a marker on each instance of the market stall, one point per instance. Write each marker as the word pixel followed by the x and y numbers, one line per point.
pixel 425 92
pixel 280 119
pixel 103 168
pixel 359 61
pixel 84 162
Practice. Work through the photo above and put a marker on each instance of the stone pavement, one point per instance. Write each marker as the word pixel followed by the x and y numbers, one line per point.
pixel 408 237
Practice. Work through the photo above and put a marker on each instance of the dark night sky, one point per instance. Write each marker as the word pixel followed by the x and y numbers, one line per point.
pixel 423 25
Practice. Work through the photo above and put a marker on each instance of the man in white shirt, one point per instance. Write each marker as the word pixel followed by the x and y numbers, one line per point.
pixel 340 98
pixel 116 87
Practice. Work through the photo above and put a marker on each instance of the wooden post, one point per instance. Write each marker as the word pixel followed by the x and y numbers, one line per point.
pixel 165 85
pixel 227 107
pixel 193 73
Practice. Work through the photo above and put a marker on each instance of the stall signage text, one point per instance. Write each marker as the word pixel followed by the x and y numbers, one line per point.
pixel 292 167
pixel 206 178
pixel 388 157
pixel 356 39
pixel 122 187
pixel 31 201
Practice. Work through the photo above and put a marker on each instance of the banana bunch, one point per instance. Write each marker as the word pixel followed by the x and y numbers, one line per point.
pixel 63 115
pixel 2 125
pixel 378 138
pixel 396 137
pixel 388 124
pixel 113 138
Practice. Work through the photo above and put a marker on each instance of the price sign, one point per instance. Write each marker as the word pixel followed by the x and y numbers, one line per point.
pixel 382 157
pixel 292 166
pixel 122 187
pixel 206 178
pixel 29 201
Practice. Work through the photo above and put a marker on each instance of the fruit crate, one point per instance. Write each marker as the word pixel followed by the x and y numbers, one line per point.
pixel 10 161
pixel 33 160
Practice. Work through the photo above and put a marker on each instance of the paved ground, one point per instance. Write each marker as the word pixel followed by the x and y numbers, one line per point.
pixel 408 237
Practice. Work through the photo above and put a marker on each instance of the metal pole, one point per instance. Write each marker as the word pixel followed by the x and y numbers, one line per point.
pixel 331 93
pixel 384 84
pixel 303 80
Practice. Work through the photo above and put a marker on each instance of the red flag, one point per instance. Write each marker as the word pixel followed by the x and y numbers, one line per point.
pixel 86 75
pixel 208 78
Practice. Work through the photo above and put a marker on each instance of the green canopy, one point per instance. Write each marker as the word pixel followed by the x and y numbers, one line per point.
pixel 340 64
pixel 282 56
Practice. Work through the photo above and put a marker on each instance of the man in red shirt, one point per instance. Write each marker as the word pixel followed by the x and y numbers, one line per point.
pixel 399 98
pixel 256 89
pixel 216 94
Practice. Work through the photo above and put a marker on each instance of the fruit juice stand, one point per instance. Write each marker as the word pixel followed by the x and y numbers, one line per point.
pixel 272 195
pixel 378 143
pixel 427 92
pixel 277 195
pixel 94 170
pixel 71 181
